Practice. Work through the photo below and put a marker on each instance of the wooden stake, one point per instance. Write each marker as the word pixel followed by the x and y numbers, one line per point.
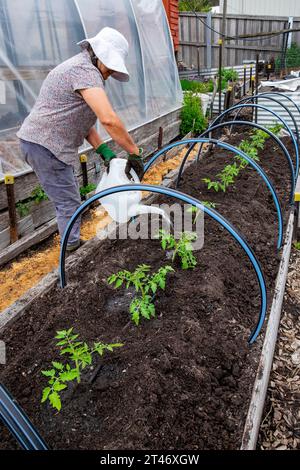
pixel 83 161
pixel 9 182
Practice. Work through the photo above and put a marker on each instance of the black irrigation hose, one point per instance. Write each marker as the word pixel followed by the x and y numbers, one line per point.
pixel 18 423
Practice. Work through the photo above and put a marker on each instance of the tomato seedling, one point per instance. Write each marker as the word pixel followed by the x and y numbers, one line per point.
pixel 79 355
pixel 145 284
pixel 182 248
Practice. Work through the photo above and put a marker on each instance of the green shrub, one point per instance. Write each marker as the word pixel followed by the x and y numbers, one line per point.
pixel 230 75
pixel 84 190
pixel 38 195
pixel 192 118
pixel 23 208
pixel 197 87
pixel 292 58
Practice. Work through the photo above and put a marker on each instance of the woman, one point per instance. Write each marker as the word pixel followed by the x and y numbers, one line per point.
pixel 71 99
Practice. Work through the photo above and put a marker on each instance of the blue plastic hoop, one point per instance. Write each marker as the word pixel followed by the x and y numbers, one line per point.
pixel 189 200
pixel 237 152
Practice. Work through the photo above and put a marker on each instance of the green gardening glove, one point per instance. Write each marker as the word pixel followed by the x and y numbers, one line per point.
pixel 135 162
pixel 106 153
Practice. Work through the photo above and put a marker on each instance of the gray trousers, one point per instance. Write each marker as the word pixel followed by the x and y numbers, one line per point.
pixel 59 183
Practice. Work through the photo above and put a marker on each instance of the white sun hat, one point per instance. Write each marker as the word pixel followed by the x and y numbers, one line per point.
pixel 111 48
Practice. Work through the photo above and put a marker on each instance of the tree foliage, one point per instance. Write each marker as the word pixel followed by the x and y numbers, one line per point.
pixel 196 5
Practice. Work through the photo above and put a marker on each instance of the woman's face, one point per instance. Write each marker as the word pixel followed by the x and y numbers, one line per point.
pixel 105 72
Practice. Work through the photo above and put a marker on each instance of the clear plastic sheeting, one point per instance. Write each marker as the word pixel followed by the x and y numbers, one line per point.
pixel 37 35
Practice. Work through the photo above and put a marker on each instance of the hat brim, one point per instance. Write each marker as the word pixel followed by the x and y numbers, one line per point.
pixel 112 61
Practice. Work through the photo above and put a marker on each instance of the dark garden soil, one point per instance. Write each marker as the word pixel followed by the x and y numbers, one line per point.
pixel 182 380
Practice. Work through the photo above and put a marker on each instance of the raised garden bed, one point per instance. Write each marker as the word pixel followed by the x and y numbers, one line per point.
pixel 182 380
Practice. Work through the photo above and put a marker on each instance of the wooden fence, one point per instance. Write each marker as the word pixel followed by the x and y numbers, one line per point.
pixel 199 45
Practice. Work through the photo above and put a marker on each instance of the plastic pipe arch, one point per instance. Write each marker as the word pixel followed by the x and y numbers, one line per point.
pixel 278 141
pixel 237 152
pixel 282 95
pixel 189 200
pixel 18 423
pixel 256 97
pixel 257 106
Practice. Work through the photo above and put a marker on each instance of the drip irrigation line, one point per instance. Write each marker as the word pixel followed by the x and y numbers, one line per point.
pixel 189 200
pixel 18 423
pixel 193 142
pixel 258 106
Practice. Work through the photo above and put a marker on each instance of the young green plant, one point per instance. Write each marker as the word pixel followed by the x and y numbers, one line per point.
pixel 226 178
pixel 182 248
pixel 146 285
pixel 230 172
pixel 84 190
pixel 79 356
pixel 197 212
pixel 297 246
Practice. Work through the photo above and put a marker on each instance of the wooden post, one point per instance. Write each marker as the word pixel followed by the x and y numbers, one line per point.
pixel 245 79
pixel 253 85
pixel 220 42
pixel 9 182
pixel 83 161
pixel 227 102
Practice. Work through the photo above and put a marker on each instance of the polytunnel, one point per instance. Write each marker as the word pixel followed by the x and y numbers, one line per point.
pixel 37 35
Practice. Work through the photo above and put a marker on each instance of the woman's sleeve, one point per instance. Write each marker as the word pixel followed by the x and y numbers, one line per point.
pixel 83 78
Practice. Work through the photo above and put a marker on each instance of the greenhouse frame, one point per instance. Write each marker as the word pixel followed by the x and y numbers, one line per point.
pixel 38 35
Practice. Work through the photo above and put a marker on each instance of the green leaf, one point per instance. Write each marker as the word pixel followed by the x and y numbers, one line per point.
pixel 153 286
pixel 119 282
pixel 58 387
pixel 55 400
pixel 69 376
pixel 46 392
pixel 58 365
pixel 65 351
pixel 61 334
pixel 62 343
pixel 48 373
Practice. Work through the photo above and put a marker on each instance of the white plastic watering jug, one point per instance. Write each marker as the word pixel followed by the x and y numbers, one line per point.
pixel 125 205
